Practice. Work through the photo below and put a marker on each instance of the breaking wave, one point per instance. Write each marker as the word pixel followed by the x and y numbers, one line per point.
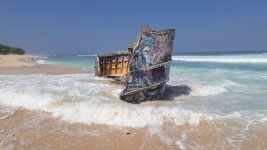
pixel 209 90
pixel 41 61
pixel 84 55
pixel 221 59
pixel 82 98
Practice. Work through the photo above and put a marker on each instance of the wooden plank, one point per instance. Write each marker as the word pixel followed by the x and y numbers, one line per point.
pixel 113 64
pixel 128 62
pixel 104 66
pixel 110 65
pixel 122 63
pixel 113 54
pixel 116 64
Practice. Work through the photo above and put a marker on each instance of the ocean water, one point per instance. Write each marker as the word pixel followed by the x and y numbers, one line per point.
pixel 78 60
pixel 229 91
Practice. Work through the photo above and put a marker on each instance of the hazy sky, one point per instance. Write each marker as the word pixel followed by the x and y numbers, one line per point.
pixel 87 27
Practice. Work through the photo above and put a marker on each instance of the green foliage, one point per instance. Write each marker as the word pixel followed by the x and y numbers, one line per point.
pixel 11 50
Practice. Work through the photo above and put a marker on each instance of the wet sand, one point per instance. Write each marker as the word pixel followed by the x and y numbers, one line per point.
pixel 38 130
pixel 24 129
pixel 17 60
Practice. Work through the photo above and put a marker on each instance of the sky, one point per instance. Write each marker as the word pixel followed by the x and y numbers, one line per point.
pixel 90 27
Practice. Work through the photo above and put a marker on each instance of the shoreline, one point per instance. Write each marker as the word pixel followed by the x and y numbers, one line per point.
pixel 39 130
pixel 18 65
pixel 40 69
pixel 33 129
pixel 28 127
pixel 7 61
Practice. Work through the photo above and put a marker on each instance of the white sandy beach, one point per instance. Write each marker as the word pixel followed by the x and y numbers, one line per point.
pixel 25 64
pixel 17 60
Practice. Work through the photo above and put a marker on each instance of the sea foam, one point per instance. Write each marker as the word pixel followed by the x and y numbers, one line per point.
pixel 222 59
pixel 41 61
pixel 81 98
pixel 6 112
pixel 85 55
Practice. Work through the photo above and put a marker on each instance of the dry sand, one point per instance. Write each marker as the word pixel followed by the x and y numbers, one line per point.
pixel 23 64
pixel 40 69
pixel 17 60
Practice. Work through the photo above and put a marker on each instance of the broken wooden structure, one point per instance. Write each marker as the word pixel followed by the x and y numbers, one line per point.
pixel 112 64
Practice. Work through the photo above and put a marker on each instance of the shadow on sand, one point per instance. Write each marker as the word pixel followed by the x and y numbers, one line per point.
pixel 176 91
pixel 171 92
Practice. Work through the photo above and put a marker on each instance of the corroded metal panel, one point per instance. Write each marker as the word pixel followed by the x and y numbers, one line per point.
pixel 149 65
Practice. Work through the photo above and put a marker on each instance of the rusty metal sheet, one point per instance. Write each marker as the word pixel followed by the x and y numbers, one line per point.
pixel 149 65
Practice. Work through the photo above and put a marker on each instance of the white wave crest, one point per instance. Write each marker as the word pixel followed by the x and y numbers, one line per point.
pixel 221 59
pixel 209 90
pixel 41 61
pixel 81 98
pixel 85 55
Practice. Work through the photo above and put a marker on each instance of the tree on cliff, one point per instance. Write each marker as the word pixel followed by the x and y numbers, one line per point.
pixel 11 50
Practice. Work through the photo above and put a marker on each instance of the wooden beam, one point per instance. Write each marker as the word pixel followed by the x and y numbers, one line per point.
pixel 116 65
pixel 110 65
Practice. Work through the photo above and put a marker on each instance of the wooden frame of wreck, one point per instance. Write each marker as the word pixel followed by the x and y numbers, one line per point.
pixel 112 64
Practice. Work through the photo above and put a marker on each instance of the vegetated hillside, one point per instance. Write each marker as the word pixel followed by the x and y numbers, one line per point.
pixel 5 50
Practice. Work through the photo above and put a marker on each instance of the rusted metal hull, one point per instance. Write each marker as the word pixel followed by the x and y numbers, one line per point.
pixel 146 69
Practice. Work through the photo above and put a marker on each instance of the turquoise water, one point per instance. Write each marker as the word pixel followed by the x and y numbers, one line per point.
pixel 222 84
pixel 79 61
pixel 226 84
pixel 227 88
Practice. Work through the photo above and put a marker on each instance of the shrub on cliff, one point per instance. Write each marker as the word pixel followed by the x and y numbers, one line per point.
pixel 11 50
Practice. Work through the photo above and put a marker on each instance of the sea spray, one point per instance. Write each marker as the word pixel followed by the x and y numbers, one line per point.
pixel 223 58
pixel 78 98
pixel 223 99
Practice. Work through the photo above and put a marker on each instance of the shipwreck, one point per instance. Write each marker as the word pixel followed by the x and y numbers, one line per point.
pixel 144 68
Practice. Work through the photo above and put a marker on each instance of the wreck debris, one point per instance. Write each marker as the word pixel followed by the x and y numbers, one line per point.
pixel 112 65
pixel 145 67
